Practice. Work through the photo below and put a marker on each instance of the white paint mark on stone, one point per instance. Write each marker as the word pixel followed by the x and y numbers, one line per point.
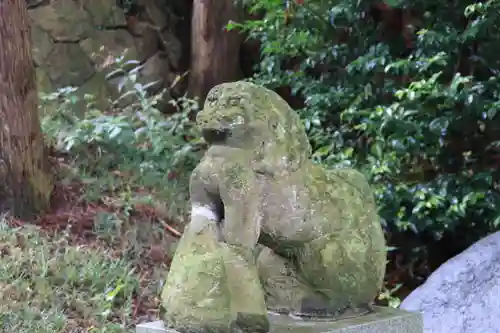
pixel 272 313
pixel 204 211
pixel 295 317
pixel 152 327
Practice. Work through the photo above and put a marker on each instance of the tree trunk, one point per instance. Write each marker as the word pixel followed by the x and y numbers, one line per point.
pixel 215 52
pixel 25 180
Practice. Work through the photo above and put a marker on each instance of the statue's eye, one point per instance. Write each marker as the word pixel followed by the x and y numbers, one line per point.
pixel 234 101
pixel 212 103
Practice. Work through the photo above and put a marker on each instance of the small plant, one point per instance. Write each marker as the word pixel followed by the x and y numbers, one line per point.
pixel 129 147
pixel 387 295
pixel 107 226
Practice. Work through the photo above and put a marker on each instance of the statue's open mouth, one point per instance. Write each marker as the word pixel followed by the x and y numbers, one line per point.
pixel 216 136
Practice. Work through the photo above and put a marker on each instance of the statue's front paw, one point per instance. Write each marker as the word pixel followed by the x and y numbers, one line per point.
pixel 251 323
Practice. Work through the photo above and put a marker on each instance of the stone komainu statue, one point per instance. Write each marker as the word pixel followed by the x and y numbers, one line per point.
pixel 269 229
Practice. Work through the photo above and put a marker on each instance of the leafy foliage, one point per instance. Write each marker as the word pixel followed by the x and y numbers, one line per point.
pixel 132 146
pixel 415 108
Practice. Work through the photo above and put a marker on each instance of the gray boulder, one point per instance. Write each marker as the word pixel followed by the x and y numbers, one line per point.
pixel 463 295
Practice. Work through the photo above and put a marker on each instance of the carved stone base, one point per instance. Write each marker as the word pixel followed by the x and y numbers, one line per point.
pixel 383 320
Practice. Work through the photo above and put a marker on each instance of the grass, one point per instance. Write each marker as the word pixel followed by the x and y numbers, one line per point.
pixel 49 285
pixel 64 274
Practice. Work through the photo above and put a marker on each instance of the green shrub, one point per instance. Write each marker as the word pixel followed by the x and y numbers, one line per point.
pixel 428 146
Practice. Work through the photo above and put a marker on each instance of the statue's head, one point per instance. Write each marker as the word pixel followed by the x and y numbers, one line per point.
pixel 246 116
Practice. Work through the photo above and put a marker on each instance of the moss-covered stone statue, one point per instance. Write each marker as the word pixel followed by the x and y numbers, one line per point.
pixel 269 229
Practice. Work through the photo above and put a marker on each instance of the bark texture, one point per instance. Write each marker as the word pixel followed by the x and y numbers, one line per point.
pixel 215 52
pixel 25 179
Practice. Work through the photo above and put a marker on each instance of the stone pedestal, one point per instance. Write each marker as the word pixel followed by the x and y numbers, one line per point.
pixel 383 320
pixel 152 327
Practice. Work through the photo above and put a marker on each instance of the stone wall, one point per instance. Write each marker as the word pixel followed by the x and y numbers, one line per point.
pixel 74 41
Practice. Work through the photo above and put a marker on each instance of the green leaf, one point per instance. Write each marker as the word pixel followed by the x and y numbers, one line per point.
pixel 394 3
pixel 376 150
